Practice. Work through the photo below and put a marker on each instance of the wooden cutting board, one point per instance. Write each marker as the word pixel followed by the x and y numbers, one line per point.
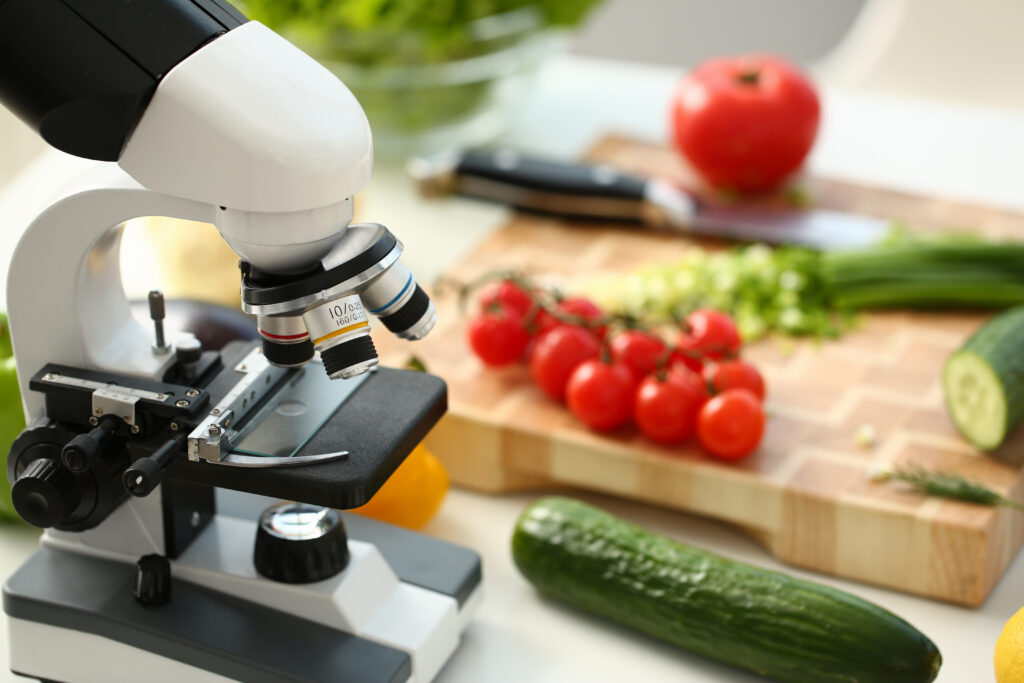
pixel 805 493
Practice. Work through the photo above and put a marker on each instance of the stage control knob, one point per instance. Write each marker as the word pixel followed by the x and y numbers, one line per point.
pixel 79 453
pixel 45 493
pixel 300 543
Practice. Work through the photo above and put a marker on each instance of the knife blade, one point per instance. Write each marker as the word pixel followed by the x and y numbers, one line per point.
pixel 603 192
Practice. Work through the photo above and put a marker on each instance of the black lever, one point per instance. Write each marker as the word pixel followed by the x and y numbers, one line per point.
pixel 157 314
pixel 145 474
pixel 79 453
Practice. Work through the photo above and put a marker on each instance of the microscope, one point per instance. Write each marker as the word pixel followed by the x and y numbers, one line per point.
pixel 190 497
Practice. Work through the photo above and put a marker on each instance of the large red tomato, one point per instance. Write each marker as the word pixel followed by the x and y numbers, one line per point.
pixel 745 123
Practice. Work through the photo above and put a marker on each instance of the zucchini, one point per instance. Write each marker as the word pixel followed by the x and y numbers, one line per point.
pixel 764 621
pixel 983 381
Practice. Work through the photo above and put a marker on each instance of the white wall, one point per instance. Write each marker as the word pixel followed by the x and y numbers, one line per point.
pixel 18 144
pixel 684 32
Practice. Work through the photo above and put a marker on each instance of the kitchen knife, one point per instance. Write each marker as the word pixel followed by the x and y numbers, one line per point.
pixel 602 192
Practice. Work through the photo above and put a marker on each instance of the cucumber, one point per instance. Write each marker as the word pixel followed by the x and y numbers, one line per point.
pixel 983 381
pixel 764 621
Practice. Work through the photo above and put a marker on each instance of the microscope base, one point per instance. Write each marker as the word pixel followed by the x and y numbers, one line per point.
pixel 72 618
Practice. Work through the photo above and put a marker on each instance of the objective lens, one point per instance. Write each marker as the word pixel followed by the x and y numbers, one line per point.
pixel 400 303
pixel 286 342
pixel 340 331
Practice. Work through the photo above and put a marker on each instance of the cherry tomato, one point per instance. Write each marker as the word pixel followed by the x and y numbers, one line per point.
pixel 577 306
pixel 666 408
pixel 585 309
pixel 730 425
pixel 709 333
pixel 639 351
pixel 745 123
pixel 557 353
pixel 497 336
pixel 735 374
pixel 506 293
pixel 600 394
pixel 686 362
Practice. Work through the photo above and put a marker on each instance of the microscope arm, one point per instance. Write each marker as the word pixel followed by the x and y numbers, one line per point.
pixel 73 248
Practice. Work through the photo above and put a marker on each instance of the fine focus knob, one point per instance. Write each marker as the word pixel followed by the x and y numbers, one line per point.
pixel 45 493
pixel 300 543
pixel 153 580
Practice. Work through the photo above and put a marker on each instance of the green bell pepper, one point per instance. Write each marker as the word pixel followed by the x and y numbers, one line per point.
pixel 12 418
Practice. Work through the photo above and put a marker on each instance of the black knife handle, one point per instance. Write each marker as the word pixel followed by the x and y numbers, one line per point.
pixel 547 186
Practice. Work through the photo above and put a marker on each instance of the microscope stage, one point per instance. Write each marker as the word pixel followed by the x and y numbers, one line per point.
pixel 379 424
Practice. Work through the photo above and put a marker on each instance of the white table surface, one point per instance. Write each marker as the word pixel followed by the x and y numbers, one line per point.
pixel 955 152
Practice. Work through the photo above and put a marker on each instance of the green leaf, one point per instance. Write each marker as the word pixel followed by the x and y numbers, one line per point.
pixel 416 364
pixel 441 23
pixel 6 347
pixel 12 421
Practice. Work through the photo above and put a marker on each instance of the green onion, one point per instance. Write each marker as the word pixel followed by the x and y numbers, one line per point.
pixel 801 292
pixel 951 294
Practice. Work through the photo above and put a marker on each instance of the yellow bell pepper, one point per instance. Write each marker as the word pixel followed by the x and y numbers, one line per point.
pixel 413 493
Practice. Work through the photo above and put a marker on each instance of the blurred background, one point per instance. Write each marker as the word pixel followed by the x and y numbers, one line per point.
pixel 684 32
pixel 553 76
pixel 435 74
pixel 677 33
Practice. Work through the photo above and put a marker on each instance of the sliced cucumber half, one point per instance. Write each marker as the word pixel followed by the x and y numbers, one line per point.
pixel 975 399
pixel 984 380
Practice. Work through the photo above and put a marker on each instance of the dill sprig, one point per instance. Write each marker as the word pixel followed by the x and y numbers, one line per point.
pixel 945 485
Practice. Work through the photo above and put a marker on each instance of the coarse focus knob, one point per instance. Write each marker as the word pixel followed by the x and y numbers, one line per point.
pixel 45 493
pixel 153 580
pixel 300 543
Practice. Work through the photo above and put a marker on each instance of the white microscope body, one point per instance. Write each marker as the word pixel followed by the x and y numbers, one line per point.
pixel 250 134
